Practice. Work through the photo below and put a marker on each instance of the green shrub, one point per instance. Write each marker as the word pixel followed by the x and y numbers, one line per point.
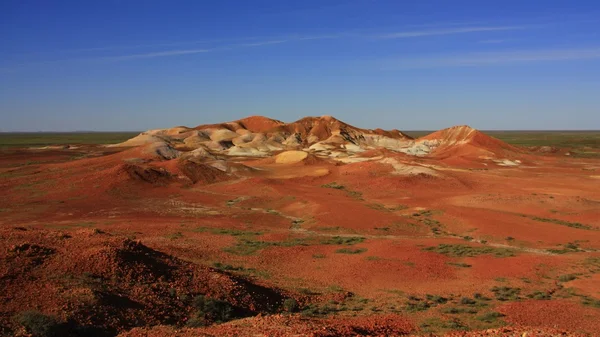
pixel 539 295
pixel 467 301
pixel 460 250
pixel 290 305
pixel 210 310
pixel 40 325
pixel 457 310
pixel 506 293
pixel 490 317
pixel 436 298
pixel 340 240
pixel 351 251
pixel 333 185
pixel 567 278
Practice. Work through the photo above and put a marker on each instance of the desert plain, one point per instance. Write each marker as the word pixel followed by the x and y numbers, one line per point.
pixel 259 227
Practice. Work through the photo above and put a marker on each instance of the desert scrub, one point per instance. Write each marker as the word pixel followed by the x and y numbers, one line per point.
pixel 590 301
pixel 226 231
pixel 314 310
pixel 460 250
pixel 459 264
pixel 490 317
pixel 415 303
pixel 333 185
pixel 39 325
pixel 539 295
pixel 340 240
pixel 351 251
pixel 565 223
pixel 209 310
pixel 566 278
pixel 290 305
pixel 570 247
pixel 437 325
pixel 459 310
pixel 247 246
pixel 506 293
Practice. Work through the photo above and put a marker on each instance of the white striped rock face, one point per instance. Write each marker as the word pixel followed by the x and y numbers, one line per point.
pixel 324 137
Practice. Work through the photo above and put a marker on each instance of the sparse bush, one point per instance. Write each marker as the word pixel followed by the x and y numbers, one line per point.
pixel 40 325
pixel 460 250
pixel 210 310
pixel 590 301
pixel 506 293
pixel 351 251
pixel 459 264
pixel 455 310
pixel 339 240
pixel 490 317
pixel 417 306
pixel 436 298
pixel 467 301
pixel 290 305
pixel 567 278
pixel 333 185
pixel 539 295
pixel 480 297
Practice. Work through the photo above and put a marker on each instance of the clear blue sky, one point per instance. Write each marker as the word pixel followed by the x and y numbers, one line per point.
pixel 136 65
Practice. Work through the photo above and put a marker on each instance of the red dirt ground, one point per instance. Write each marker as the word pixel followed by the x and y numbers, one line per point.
pixel 120 242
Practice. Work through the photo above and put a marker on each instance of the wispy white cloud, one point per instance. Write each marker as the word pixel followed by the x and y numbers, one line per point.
pixel 261 43
pixel 446 31
pixel 156 54
pixel 493 41
pixel 494 58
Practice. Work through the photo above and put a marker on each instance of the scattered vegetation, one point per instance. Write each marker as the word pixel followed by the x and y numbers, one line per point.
pixel 353 194
pixel 590 301
pixel 566 278
pixel 40 325
pixel 351 251
pixel 208 310
pixel 226 231
pixel 383 208
pixel 31 139
pixel 506 293
pixel 249 246
pixel 490 317
pixel 318 256
pixel 570 247
pixel 460 250
pixel 564 223
pixel 333 185
pixel 373 258
pixel 340 240
pixel 290 305
pixel 459 310
pixel 174 236
pixel 436 325
pixel 539 295
pixel 460 265
pixel 415 303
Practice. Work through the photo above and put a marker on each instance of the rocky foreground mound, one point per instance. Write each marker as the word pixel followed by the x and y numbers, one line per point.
pixel 89 283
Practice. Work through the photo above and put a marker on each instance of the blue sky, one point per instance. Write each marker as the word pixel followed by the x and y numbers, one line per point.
pixel 136 65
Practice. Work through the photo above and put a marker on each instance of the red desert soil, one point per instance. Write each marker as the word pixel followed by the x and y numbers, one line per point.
pixel 310 228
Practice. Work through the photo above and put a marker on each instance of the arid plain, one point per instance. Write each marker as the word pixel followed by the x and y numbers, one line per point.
pixel 316 227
